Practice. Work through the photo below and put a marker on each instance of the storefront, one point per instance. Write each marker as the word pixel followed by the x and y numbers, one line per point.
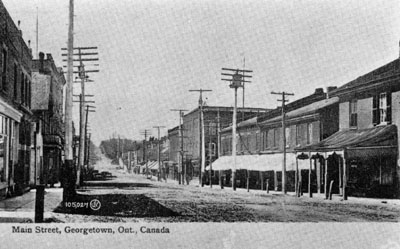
pixel 356 162
pixel 260 169
pixel 9 127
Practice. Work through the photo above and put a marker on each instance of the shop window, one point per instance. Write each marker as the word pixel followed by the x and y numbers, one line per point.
pixel 3 148
pixel 353 113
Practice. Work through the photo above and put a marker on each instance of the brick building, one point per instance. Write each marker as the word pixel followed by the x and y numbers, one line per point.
pixel 15 115
pixel 260 145
pixel 363 156
pixel 47 104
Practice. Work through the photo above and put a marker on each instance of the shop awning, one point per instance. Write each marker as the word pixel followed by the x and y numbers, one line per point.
pixel 359 142
pixel 259 162
pixel 52 140
pixel 153 164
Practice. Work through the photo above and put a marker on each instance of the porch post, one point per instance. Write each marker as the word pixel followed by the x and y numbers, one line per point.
pixel 296 177
pixel 344 178
pixel 275 180
pixel 317 165
pixel 262 180
pixel 309 179
pixel 340 177
pixel 326 178
pixel 220 179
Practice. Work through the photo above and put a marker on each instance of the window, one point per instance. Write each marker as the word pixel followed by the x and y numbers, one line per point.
pixel 28 94
pixel 265 140
pixel 309 133
pixel 3 68
pixel 212 128
pixel 287 136
pixel 277 137
pixel 353 113
pixel 4 148
pixel 15 80
pixel 23 89
pixel 381 108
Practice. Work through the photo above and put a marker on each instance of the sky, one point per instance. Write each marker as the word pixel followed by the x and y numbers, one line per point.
pixel 151 53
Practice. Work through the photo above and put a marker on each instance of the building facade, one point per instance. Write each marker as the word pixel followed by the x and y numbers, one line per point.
pixel 260 145
pixel 215 119
pixel 362 158
pixel 47 104
pixel 15 115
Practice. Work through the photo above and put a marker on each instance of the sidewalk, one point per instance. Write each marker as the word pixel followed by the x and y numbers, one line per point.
pixel 305 197
pixel 22 208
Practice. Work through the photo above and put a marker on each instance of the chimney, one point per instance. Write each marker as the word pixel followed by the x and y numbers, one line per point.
pixel 319 91
pixel 29 47
pixel 329 89
pixel 41 62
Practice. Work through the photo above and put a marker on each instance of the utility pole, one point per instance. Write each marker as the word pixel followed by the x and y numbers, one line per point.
pixel 69 171
pixel 88 148
pixel 219 146
pixel 145 133
pixel 236 82
pixel 159 152
pixel 181 165
pixel 244 66
pixel 82 135
pixel 202 135
pixel 284 94
pixel 82 75
pixel 86 157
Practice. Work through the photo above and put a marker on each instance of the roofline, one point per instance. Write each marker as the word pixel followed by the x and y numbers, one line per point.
pixel 228 108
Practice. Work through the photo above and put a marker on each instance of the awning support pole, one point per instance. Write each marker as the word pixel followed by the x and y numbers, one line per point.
pixel 296 178
pixel 248 180
pixel 344 179
pixel 340 164
pixel 262 180
pixel 309 180
pixel 317 165
pixel 326 179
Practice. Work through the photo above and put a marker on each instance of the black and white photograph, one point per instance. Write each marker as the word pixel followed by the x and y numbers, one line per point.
pixel 200 124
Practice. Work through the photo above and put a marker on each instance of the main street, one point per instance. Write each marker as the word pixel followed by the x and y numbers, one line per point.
pixel 132 198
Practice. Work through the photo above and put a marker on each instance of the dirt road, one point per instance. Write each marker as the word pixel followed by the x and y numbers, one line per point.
pixel 132 198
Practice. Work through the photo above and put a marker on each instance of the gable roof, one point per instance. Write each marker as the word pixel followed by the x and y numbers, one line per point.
pixel 379 76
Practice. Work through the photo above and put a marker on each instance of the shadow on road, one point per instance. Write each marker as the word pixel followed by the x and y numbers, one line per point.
pixel 121 185
pixel 120 205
